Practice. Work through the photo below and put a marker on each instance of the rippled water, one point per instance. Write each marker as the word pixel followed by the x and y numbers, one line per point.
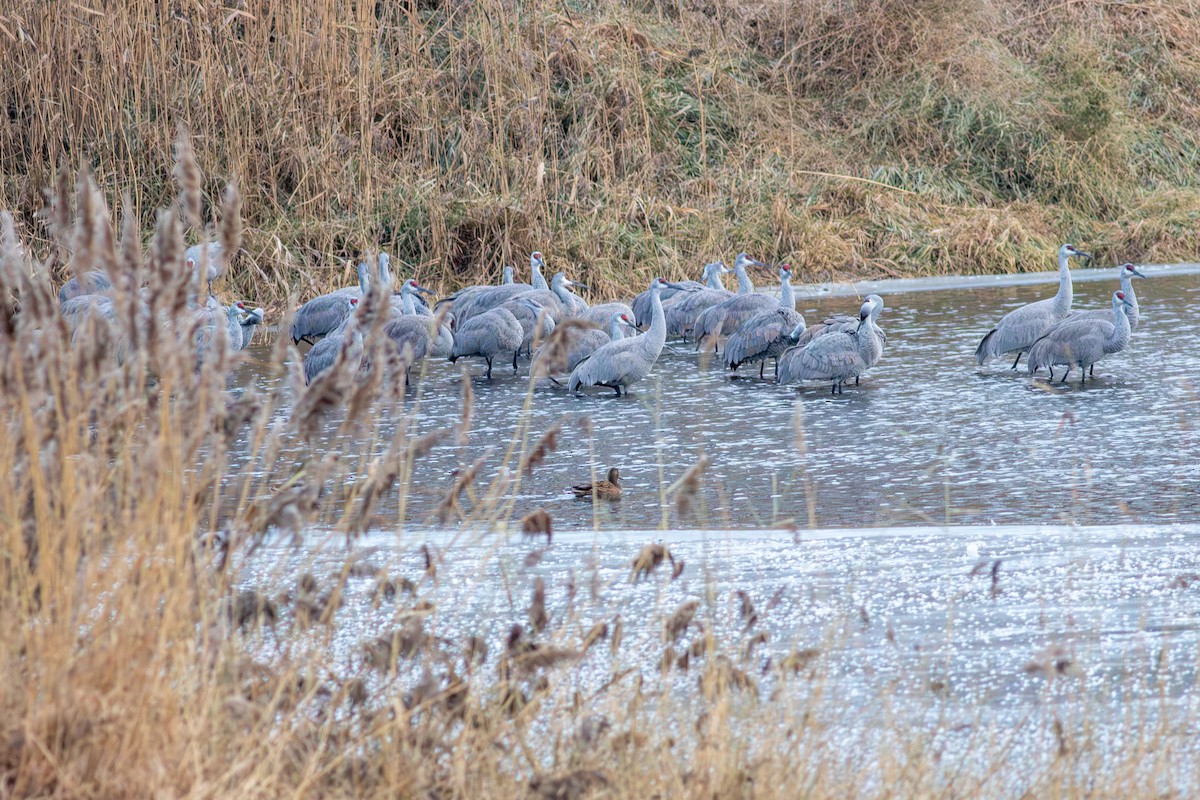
pixel 927 437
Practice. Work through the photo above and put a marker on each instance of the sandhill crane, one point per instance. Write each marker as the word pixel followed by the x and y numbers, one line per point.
pixel 620 364
pixel 325 313
pixel 1082 341
pixel 489 334
pixel 836 357
pixel 410 329
pixel 473 300
pixel 723 318
pixel 93 282
pixel 689 301
pixel 325 352
pixel 558 300
pixel 603 313
pixel 507 279
pixel 584 340
pixel 1020 328
pixel 765 335
pixel 609 489
pixel 710 279
pixel 535 325
pixel 248 322
pixel 206 261
pixel 211 321
pixel 1126 273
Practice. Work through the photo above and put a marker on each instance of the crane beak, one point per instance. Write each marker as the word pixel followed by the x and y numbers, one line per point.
pixel 677 285
pixel 1082 254
pixel 1138 274
pixel 578 284
pixel 423 290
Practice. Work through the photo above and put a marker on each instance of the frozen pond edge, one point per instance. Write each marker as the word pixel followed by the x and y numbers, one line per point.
pixel 947 282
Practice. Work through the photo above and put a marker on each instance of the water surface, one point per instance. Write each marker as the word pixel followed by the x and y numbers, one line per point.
pixel 926 438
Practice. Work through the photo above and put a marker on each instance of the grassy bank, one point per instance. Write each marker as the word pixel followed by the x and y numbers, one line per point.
pixel 868 139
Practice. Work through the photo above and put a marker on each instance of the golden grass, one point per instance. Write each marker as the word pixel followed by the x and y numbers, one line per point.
pixel 622 139
pixel 138 657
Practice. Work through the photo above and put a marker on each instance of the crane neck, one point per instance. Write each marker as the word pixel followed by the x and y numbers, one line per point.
pixel 614 328
pixel 537 281
pixel 714 280
pixel 1121 329
pixel 364 279
pixel 1062 300
pixel 745 286
pixel 787 297
pixel 508 276
pixel 1127 288
pixel 656 336
pixel 407 302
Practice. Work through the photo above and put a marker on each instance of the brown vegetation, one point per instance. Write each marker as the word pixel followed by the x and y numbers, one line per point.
pixel 874 138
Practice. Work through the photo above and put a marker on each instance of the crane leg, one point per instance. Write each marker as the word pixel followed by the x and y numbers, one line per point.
pixel 489 372
pixel 776 368
pixel 1092 370
pixel 618 389
pixel 515 352
pixel 856 383
pixel 1051 372
pixel 1068 372
pixel 761 366
pixel 1014 366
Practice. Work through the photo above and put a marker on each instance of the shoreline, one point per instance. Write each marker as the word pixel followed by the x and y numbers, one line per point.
pixel 949 282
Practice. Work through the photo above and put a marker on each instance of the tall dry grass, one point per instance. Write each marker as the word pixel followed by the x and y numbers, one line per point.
pixel 851 138
pixel 143 653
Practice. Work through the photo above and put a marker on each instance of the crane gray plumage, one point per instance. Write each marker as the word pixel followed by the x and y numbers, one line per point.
pixel 206 262
pixel 488 335
pixel 836 357
pixel 557 300
pixel 474 300
pixel 1020 328
pixel 690 302
pixel 326 313
pixel 604 313
pixel 324 354
pixel 218 327
pixel 584 340
pixel 79 309
pixel 622 363
pixel 844 323
pixel 765 335
pixel 248 322
pixel 397 302
pixel 507 278
pixel 1083 340
pixel 529 320
pixel 410 329
pixel 723 318
pixel 710 279
pixel 94 282
pixel 1126 273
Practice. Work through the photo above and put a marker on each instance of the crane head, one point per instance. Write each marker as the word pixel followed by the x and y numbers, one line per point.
pixel 1130 271
pixel 744 260
pixel 1071 251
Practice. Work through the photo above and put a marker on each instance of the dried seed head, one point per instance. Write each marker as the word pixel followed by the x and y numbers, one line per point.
pixel 231 223
pixel 538 619
pixel 647 560
pixel 536 523
pixel 547 444
pixel 189 178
